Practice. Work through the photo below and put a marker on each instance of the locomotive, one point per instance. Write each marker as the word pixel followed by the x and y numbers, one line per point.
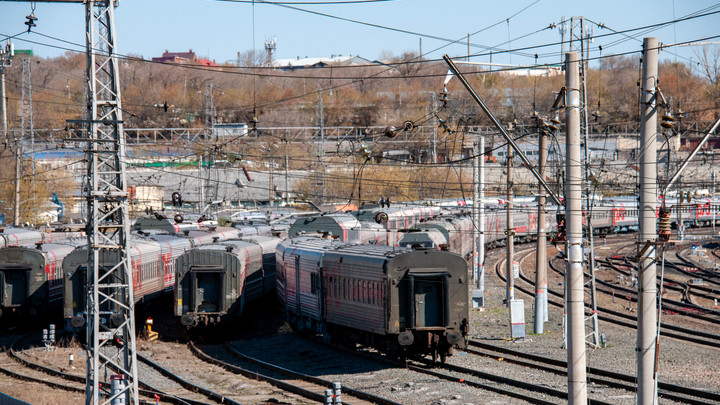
pixel 399 300
pixel 215 281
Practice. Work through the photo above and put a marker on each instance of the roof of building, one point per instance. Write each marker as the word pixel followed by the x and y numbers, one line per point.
pixel 320 61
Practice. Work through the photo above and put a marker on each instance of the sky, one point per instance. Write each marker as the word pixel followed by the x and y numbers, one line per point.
pixel 219 29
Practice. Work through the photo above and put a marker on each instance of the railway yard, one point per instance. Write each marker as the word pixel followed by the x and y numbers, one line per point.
pixel 262 360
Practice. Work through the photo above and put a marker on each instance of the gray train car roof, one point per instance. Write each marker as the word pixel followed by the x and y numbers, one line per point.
pixel 394 261
pixel 336 224
pixel 167 225
pixel 432 235
pixel 18 254
pixel 22 237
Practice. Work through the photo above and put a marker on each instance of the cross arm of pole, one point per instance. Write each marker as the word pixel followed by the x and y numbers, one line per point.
pixel 500 128
pixel 689 158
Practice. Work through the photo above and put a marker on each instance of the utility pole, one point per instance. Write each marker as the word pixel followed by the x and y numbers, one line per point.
pixel 481 213
pixel 510 232
pixel 577 378
pixel 647 277
pixel 433 112
pixel 478 294
pixel 320 155
pixel 209 134
pixel 27 122
pixel 541 254
pixel 287 188
pixel 6 55
pixel 711 206
pixel 579 42
pixel 475 212
pixel 16 210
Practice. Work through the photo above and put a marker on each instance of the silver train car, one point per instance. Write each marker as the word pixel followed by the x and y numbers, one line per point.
pixel 398 300
pixel 23 237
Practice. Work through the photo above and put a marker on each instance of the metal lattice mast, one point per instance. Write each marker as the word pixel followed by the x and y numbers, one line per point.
pixel 110 301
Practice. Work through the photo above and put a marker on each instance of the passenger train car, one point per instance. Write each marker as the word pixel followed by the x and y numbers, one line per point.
pixel 215 281
pixel 31 280
pixel 152 258
pixel 398 300
pixel 344 227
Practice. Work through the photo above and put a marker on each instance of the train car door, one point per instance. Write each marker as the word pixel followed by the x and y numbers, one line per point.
pixel 207 289
pixel 14 285
pixel 429 300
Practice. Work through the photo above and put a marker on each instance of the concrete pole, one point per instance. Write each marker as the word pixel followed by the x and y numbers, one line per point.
pixel 510 274
pixel 433 109
pixel 647 305
pixel 541 254
pixel 16 210
pixel 481 239
pixel 287 188
pixel 3 105
pixel 476 214
pixel 577 378
pixel 711 206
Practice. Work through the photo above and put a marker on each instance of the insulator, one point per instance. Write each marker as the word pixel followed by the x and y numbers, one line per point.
pixel 391 131
pixel 381 217
pixel 666 124
pixel 664 225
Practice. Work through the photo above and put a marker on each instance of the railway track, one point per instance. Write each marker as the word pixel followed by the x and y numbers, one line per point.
pixel 686 307
pixel 696 271
pixel 516 388
pixel 611 315
pixel 61 380
pixel 673 392
pixel 310 387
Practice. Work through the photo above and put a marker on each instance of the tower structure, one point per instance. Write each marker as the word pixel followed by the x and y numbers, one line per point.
pixel 270 46
pixel 109 301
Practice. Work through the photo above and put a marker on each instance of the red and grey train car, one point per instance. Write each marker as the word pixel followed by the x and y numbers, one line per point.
pixel 344 227
pixel 395 299
pixel 23 237
pixel 152 261
pixel 395 219
pixel 215 281
pixel 31 280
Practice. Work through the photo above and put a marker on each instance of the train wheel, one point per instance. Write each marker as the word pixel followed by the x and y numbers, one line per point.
pixel 443 357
